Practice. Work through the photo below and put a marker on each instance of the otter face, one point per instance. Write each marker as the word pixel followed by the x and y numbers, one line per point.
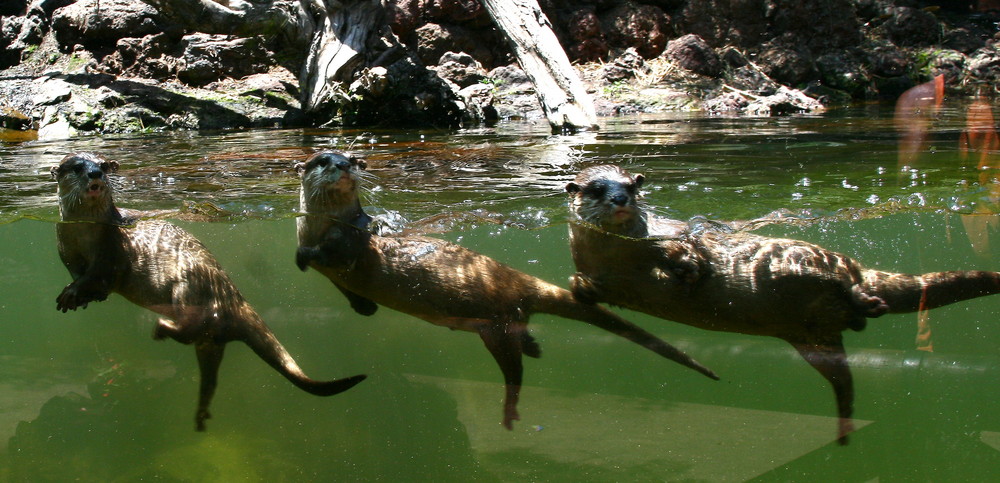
pixel 84 185
pixel 607 196
pixel 331 176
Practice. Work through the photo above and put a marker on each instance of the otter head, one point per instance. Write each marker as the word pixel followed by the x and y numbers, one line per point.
pixel 330 181
pixel 85 189
pixel 608 197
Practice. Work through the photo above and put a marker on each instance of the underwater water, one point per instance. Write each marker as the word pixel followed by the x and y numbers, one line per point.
pixel 90 396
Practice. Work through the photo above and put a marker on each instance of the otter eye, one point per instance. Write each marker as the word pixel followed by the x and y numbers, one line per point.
pixel 78 168
pixel 596 190
pixel 322 161
pixel 105 166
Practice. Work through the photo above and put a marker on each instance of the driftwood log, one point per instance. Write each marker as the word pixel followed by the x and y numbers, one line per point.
pixel 562 94
pixel 342 36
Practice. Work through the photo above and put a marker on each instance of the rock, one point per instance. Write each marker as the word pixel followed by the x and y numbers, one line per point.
pixel 478 99
pixel 641 27
pixel 461 69
pixel 815 25
pixel 416 95
pixel 693 53
pixel 16 35
pixel 729 102
pixel 51 92
pixel 208 58
pixel 983 67
pixel 587 42
pixel 741 23
pixel 54 125
pixel 785 101
pixel 626 66
pixel 514 96
pixel 887 61
pixel 787 61
pixel 962 40
pixel 13 7
pixel 433 40
pixel 842 70
pixel 13 119
pixel 98 27
pixel 752 80
pixel 452 11
pixel 911 27
pixel 510 78
pixel 933 62
pixel 371 81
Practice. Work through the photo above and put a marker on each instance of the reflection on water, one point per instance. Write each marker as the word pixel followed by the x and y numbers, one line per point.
pixel 593 408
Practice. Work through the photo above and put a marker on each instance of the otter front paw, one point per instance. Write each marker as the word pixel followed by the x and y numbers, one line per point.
pixel 306 255
pixel 74 296
pixel 584 288
pixel 686 269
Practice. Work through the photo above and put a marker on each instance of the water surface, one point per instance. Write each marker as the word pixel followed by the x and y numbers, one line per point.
pixel 89 395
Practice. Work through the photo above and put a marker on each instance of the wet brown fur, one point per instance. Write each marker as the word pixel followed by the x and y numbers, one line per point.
pixel 740 282
pixel 159 266
pixel 434 280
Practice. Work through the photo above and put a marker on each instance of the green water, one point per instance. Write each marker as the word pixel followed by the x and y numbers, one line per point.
pixel 89 396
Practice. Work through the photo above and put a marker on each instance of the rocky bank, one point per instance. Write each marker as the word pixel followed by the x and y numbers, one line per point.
pixel 107 66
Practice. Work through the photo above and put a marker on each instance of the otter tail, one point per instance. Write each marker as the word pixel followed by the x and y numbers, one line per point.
pixel 266 345
pixel 910 293
pixel 558 301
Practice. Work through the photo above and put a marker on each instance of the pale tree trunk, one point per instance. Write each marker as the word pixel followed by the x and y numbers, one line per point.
pixel 564 98
pixel 344 33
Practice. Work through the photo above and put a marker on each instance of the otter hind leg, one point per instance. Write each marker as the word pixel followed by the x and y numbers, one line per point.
pixel 869 305
pixel 361 305
pixel 506 350
pixel 529 345
pixel 830 359
pixel 209 357
pixel 584 289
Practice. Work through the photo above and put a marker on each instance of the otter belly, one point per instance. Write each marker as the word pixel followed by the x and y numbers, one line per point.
pixel 437 281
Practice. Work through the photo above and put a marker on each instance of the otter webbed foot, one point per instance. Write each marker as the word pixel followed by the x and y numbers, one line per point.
pixel 78 295
pixel 869 305
pixel 584 288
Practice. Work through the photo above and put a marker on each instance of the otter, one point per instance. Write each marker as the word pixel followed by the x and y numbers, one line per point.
pixel 733 281
pixel 434 280
pixel 161 267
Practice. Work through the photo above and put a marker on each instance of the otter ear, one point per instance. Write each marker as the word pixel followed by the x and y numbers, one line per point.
pixel 359 162
pixel 110 166
pixel 300 168
pixel 54 171
pixel 572 188
pixel 639 180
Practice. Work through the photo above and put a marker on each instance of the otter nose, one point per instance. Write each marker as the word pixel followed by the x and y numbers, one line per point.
pixel 94 173
pixel 620 199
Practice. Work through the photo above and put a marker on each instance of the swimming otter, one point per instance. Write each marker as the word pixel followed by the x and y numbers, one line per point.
pixel 434 280
pixel 739 282
pixel 161 267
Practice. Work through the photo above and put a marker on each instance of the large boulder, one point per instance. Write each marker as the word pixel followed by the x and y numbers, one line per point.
pixel 642 27
pixel 98 26
pixel 694 54
pixel 208 58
